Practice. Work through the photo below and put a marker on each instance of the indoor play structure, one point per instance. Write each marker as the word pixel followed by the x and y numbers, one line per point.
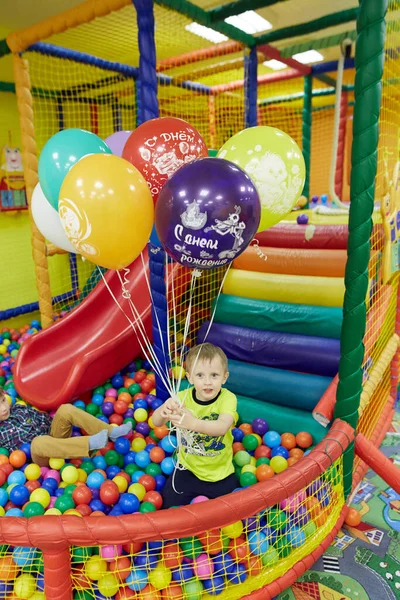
pixel 280 319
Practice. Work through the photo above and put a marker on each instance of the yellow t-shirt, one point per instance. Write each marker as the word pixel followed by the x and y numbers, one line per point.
pixel 208 457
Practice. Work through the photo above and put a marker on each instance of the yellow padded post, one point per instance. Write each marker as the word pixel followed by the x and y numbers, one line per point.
pixel 29 156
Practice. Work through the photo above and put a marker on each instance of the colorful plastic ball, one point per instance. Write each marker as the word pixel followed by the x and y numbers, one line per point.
pixel 95 567
pixel 138 490
pixel 238 574
pixel 302 219
pixel 242 458
pixel 41 496
pixel 259 426
pixel 199 499
pixel 64 503
pixel 140 415
pixel 276 519
pixel 17 477
pixel 69 474
pixel 147 507
pixel 304 439
pixel 56 463
pixel 272 439
pixel 24 586
pixel 137 475
pixel 160 482
pixel 296 537
pixel 157 455
pixel 233 531
pixel 143 428
pixel 142 459
pixel 169 444
pixel 264 472
pixel 3 498
pixel 95 479
pixel 270 558
pixel 250 442
pixel 108 585
pixel 278 464
pixel 109 493
pixel 137 579
pixel 14 512
pixel 214 586
pixel 138 444
pixel 121 483
pixel 112 471
pixel 129 503
pixel 26 449
pixel 280 451
pixel 193 590
pixel 258 542
pixel 19 495
pixel 203 566
pixel 238 434
pixel 122 445
pixel 247 478
pixel 160 577
pixel 353 518
pixel 168 465
pixel 183 572
pixel 24 557
pixel 17 459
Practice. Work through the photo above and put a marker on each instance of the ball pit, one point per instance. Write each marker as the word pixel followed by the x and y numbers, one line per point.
pixel 127 477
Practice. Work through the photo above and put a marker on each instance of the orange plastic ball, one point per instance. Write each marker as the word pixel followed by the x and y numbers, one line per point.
pixel 8 569
pixel 212 541
pixel 254 566
pixel 237 446
pixel 322 518
pixel 353 518
pixel 292 461
pixel 128 381
pixel 304 439
pixel 264 472
pixel 239 549
pixel 120 407
pixel 246 428
pixel 296 453
pixel 122 567
pixel 17 459
pixel 4 459
pixel 288 441
pixel 125 397
pixel 157 455
pixel 172 555
pixel 150 593
pixel 125 593
pixel 173 592
pixel 161 432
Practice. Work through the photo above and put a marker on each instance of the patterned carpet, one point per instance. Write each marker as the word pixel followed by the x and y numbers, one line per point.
pixel 363 563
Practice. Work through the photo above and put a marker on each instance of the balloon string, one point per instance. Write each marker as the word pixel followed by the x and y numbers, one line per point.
pixel 174 337
pixel 154 359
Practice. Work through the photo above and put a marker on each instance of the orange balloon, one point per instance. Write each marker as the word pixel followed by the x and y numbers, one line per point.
pixel 288 441
pixel 304 439
pixel 264 472
pixel 353 518
pixel 106 210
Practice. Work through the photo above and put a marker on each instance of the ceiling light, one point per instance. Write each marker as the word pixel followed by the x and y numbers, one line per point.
pixel 206 32
pixel 310 56
pixel 249 22
pixel 275 65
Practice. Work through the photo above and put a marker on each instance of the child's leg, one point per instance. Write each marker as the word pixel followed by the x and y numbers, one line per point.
pixel 178 489
pixel 44 447
pixel 68 416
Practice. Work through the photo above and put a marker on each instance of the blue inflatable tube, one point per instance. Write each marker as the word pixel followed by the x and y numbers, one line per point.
pixel 307 354
pixel 286 388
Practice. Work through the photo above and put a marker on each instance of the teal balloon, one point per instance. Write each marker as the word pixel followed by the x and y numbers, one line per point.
pixel 60 153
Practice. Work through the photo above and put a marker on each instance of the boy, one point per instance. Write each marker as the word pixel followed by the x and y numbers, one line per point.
pixel 51 438
pixel 209 412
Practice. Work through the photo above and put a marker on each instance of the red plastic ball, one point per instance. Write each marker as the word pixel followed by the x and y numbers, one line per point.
pixel 138 435
pixel 108 446
pixel 172 555
pixel 125 593
pixel 262 452
pixel 76 462
pixel 139 396
pixel 237 446
pixel 6 468
pixel 32 485
pixel 133 548
pixel 147 385
pixel 120 407
pixel 153 497
pixel 109 493
pixel 82 495
pixel 116 419
pixel 84 509
pixel 121 566
pixel 3 477
pixel 157 454
pixel 125 396
pixel 239 549
pixel 139 376
pixel 148 482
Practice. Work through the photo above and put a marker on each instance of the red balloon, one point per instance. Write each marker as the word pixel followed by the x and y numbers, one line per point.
pixel 159 147
pixel 109 493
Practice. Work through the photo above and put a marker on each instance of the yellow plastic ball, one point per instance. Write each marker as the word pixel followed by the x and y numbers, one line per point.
pixel 3 349
pixel 62 484
pixel 70 474
pixel 178 372
pixel 56 463
pixel 108 585
pixel 253 461
pixel 138 490
pixel 249 469
pixel 2 511
pixel 140 415
pixel 24 586
pixel 73 511
pixel 38 596
pixel 138 444
pixel 95 567
pixel 153 392
pixel 259 439
pixel 21 402
pixel 32 472
pixel 160 577
pixel 150 423
pixel 278 464
pixel 40 495
pixel 233 531
pixel 6 343
pixel 82 475
pixel 301 202
pixel 121 483
pixel 53 511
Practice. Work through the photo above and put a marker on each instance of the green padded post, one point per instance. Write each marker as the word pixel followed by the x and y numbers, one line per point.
pixel 371 28
pixel 239 6
pixel 4 49
pixel 306 133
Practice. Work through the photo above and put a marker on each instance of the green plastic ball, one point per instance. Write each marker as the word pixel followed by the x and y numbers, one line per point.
pixel 130 420
pixel 134 389
pixel 153 436
pixel 87 466
pixel 138 364
pixel 270 557
pixel 4 451
pixel 262 461
pixel 82 595
pixel 310 528
pixel 191 547
pixel 92 409
pixel 147 507
pixel 99 390
pixel 2 380
pixel 242 458
pixel 250 442
pixel 80 554
pixel 33 509
pixel 64 503
pixel 283 547
pixel 69 489
pixel 111 457
pixel 6 335
pixel 107 386
pixel 247 479
pixel 131 469
pixel 193 590
pixel 276 518
pixel 153 469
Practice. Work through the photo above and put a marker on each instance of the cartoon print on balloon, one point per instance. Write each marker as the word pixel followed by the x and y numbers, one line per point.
pixel 76 226
pixel 233 226
pixel 275 185
pixel 192 218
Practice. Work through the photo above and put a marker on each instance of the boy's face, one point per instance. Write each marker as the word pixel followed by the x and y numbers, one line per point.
pixel 4 407
pixel 207 378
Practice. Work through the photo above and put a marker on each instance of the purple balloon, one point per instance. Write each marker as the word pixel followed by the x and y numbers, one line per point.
pixel 207 213
pixel 116 141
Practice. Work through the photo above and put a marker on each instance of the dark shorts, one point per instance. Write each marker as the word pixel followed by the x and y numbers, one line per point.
pixel 188 486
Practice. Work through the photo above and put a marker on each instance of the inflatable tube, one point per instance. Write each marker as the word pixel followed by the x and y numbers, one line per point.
pixel 321 291
pixel 315 355
pixel 304 319
pixel 332 237
pixel 280 418
pixel 286 388
pixel 293 261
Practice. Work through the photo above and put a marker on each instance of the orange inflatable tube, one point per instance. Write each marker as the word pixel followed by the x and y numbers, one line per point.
pixel 293 261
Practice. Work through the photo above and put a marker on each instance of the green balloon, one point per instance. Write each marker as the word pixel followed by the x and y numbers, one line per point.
pixel 131 469
pixel 33 509
pixel 87 466
pixel 147 507
pixel 134 389
pixel 261 150
pixel 242 458
pixel 92 409
pixel 250 442
pixel 262 461
pixel 64 503
pixel 191 547
pixel 247 479
pixel 276 518
pixel 153 469
pixel 111 457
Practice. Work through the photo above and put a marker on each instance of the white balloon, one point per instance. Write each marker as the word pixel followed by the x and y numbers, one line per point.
pixel 48 221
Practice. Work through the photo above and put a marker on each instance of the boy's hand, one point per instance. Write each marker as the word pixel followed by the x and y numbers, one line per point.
pixel 169 408
pixel 184 420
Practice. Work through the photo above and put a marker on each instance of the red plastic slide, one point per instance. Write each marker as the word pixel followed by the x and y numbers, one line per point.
pixel 86 347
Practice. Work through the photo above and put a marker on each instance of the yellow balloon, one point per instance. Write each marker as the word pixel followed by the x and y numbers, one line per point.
pixel 276 165
pixel 106 210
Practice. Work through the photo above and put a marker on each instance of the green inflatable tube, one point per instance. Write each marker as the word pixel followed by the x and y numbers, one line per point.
pixel 280 418
pixel 320 321
pixel 285 388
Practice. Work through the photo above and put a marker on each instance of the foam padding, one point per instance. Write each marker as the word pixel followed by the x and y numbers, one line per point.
pixel 320 291
pixel 315 355
pixel 286 388
pixel 280 418
pixel 304 319
pixel 293 261
pixel 291 235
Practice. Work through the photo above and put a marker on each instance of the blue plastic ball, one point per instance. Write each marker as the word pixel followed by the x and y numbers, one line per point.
pixel 95 480
pixel 147 560
pixel 238 434
pixel 223 563
pixel 117 381
pixel 99 462
pixel 147 365
pixel 97 399
pixel 19 495
pixel 59 492
pixel 142 459
pixel 97 505
pixel 280 451
pixel 122 445
pixel 168 465
pixel 50 483
pixel 296 537
pixel 129 503
pixel 184 573
pixel 258 542
pixel 237 574
pixel 137 579
pixel 14 512
pixel 169 444
pixel 103 418
pixel 140 403
pixel 272 439
pixel 136 476
pixel 36 324
pixel 3 497
pixel 24 557
pixel 16 477
pixel 160 482
pixel 80 404
pixel 214 586
pixel 112 471
pixel 129 457
pixel 156 404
